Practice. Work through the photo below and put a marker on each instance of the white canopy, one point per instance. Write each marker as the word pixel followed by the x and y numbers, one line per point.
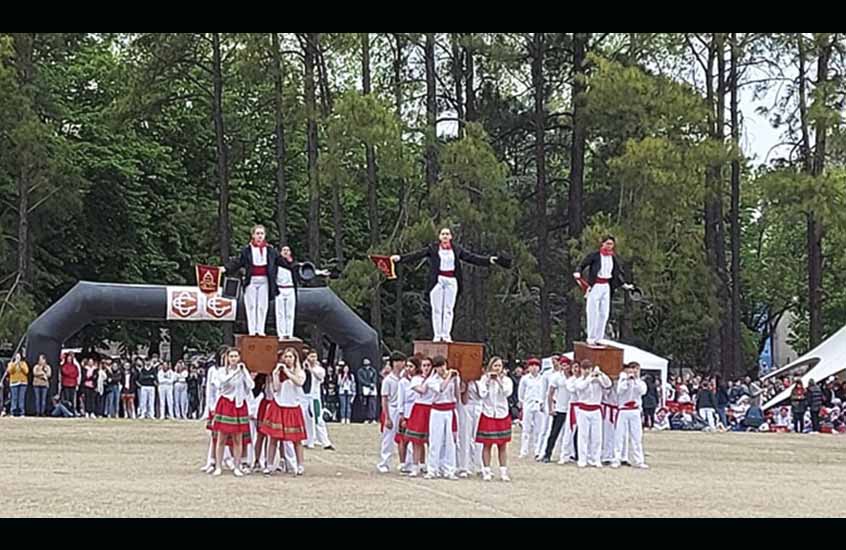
pixel 827 359
pixel 647 361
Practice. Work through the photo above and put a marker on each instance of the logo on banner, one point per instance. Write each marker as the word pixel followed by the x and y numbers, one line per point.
pixel 219 307
pixel 184 304
pixel 208 278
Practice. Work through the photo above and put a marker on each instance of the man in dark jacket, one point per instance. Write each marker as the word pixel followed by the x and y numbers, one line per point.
pixel 367 378
pixel 706 404
pixel 815 402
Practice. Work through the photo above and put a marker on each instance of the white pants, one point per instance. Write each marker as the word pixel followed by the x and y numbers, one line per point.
pixel 255 302
pixel 567 446
pixel 589 424
pixel 598 308
pixel 709 415
pixel 180 400
pixel 532 429
pixel 146 402
pixel 308 416
pixel 629 433
pixel 388 444
pixel 290 456
pixel 608 438
pixel 469 452
pixel 321 433
pixel 442 298
pixel 441 442
pixel 546 427
pixel 165 401
pixel 286 305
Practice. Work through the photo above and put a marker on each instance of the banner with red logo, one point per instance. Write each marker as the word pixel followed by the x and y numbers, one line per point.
pixel 208 278
pixel 188 303
pixel 385 264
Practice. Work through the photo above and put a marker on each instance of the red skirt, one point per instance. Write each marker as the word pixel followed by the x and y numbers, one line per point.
pixel 283 423
pixel 401 432
pixel 230 419
pixel 210 421
pixel 417 427
pixel 494 431
pixel 262 410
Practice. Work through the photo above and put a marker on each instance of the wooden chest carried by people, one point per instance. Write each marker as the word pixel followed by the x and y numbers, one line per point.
pixel 466 357
pixel 259 353
pixel 608 358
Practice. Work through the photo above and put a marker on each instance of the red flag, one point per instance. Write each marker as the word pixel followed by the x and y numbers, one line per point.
pixel 385 264
pixel 208 278
pixel 583 284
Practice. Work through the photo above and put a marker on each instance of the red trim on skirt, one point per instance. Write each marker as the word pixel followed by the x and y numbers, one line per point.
pixel 283 423
pixel 262 410
pixel 417 427
pixel 494 431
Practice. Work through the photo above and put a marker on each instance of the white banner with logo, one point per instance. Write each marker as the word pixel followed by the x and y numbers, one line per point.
pixel 188 303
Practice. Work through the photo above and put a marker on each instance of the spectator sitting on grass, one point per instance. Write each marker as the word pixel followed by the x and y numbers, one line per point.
pixel 61 409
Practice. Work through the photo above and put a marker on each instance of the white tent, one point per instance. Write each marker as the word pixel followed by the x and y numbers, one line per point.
pixel 648 361
pixel 827 359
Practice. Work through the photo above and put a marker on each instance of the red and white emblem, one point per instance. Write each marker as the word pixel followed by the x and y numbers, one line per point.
pixel 184 304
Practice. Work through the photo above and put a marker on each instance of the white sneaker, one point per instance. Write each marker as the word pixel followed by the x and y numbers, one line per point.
pixel 208 468
pixel 383 469
pixel 267 471
pixel 300 469
pixel 642 466
pixel 582 465
pixel 487 476
pixel 430 475
pixel 217 472
pixel 447 339
pixel 412 473
pixel 615 464
pixel 591 342
pixel 598 465
pixel 237 472
pixel 229 463
pixel 463 474
pixel 505 477
pixel 452 477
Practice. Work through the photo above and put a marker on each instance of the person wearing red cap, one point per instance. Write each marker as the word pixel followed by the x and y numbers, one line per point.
pixel 558 401
pixel 629 429
pixel 530 395
pixel 604 276
pixel 588 413
pixel 445 278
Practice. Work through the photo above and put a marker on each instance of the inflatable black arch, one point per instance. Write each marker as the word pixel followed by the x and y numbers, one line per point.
pixel 88 302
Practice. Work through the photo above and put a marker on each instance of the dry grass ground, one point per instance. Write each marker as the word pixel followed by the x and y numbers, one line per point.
pixel 117 468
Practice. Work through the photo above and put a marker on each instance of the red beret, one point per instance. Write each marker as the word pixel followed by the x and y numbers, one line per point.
pixel 564 360
pixel 533 361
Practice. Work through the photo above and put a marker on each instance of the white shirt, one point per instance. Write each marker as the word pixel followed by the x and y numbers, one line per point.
pixel 609 395
pixel 390 389
pixel 234 384
pixel 562 394
pixel 407 396
pixel 447 259
pixel 630 389
pixel 259 255
pixel 182 377
pixel 346 385
pixel 427 396
pixel 589 389
pixel 166 378
pixel 474 396
pixel 290 392
pixel 127 377
pixel 284 277
pixel 495 395
pixel 318 374
pixel 606 266
pixel 530 392
pixel 547 381
pixel 212 393
pixel 434 385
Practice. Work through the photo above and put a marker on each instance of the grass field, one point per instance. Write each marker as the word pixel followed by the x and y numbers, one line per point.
pixel 117 468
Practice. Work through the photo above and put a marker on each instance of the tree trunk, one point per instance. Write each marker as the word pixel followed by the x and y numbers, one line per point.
pixel 469 86
pixel 398 103
pixel 223 223
pixel 727 346
pixel 373 211
pixel 815 227
pixel 457 78
pixel 281 186
pixel 538 48
pixel 577 175
pixel 311 148
pixel 431 118
pixel 736 365
pixel 24 46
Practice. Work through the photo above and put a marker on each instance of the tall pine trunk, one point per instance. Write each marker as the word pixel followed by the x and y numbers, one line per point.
pixel 577 176
pixel 311 149
pixel 736 365
pixel 372 207
pixel 24 49
pixel 281 186
pixel 538 49
pixel 398 104
pixel 431 118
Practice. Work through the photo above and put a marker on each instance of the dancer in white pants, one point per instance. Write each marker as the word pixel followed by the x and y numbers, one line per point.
pixel 558 401
pixel 208 413
pixel 530 395
pixel 318 375
pixel 609 421
pixel 391 410
pixel 630 391
pixel 469 459
pixel 603 277
pixel 180 391
pixel 546 376
pixel 407 398
pixel 260 262
pixel 443 383
pixel 286 300
pixel 166 379
pixel 445 278
pixel 588 414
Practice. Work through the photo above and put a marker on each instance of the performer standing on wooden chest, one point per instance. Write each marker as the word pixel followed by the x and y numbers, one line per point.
pixel 445 278
pixel 604 276
pixel 287 283
pixel 260 262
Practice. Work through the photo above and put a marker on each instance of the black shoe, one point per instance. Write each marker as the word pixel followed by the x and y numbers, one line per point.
pixel 545 460
pixel 328 448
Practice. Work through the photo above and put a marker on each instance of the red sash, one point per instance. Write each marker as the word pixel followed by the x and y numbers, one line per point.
pixel 612 411
pixel 601 281
pixel 584 407
pixel 259 270
pixel 447 273
pixel 447 407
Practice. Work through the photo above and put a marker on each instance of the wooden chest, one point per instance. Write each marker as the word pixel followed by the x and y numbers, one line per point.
pixel 608 358
pixel 466 357
pixel 259 353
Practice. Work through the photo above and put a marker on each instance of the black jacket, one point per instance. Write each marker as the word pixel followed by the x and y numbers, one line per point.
pixel 148 377
pixel 706 400
pixel 815 397
pixel 593 262
pixel 245 260
pixel 431 252
pixel 133 379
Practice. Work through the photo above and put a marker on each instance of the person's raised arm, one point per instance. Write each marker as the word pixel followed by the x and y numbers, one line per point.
pixel 475 259
pixel 411 257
